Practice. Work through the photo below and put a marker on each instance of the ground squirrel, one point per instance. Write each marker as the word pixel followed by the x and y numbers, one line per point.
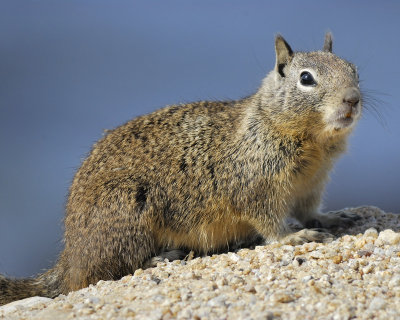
pixel 206 175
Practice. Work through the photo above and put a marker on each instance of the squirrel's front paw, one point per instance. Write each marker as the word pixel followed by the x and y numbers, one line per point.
pixel 171 255
pixel 307 235
pixel 341 218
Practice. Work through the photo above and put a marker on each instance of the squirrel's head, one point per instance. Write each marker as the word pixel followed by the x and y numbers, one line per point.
pixel 316 88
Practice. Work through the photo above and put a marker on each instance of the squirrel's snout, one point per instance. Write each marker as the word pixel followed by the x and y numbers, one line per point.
pixel 351 97
pixel 347 112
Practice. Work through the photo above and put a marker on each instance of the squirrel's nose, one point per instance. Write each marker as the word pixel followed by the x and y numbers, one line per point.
pixel 351 96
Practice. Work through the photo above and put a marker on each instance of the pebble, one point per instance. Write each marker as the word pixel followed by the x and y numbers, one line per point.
pixel 234 257
pixel 307 278
pixel 377 303
pixel 371 232
pixel 395 281
pixel 388 237
pixel 361 267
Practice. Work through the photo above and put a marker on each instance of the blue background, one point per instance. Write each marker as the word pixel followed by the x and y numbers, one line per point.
pixel 70 69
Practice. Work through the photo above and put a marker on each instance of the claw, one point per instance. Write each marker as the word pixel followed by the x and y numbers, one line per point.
pixel 174 254
pixel 308 235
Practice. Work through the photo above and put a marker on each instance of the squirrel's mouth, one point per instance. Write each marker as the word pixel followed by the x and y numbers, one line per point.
pixel 343 121
pixel 343 117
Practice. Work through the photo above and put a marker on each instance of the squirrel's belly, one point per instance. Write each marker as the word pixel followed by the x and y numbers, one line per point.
pixel 217 235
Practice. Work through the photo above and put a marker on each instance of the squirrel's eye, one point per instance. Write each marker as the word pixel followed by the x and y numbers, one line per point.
pixel 306 79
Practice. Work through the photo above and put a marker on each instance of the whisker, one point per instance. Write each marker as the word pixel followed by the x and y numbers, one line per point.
pixel 375 106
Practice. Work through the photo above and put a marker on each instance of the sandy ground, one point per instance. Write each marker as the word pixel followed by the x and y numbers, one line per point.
pixel 356 276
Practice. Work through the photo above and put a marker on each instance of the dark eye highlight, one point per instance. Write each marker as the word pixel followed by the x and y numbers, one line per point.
pixel 306 79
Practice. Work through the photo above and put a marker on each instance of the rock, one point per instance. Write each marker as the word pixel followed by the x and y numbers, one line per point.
pixel 23 304
pixel 388 237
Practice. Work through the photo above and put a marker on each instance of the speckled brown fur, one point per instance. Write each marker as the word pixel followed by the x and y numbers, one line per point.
pixel 206 175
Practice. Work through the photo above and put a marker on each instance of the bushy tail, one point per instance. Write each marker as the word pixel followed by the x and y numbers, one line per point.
pixel 45 285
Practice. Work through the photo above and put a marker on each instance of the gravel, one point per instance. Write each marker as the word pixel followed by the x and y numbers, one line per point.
pixel 356 276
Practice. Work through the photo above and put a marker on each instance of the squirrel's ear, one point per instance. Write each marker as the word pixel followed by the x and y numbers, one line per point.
pixel 283 54
pixel 328 42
